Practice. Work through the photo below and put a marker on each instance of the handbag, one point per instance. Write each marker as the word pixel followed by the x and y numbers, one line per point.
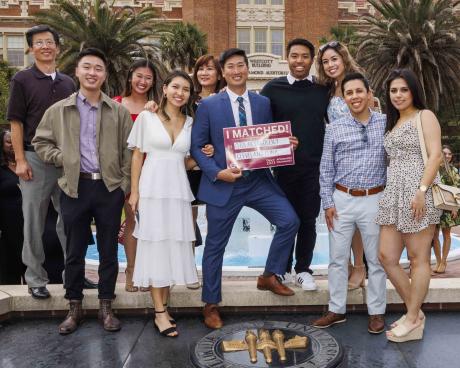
pixel 445 197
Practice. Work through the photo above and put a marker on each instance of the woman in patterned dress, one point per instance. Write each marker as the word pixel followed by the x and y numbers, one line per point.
pixel 406 210
pixel 448 218
pixel 334 61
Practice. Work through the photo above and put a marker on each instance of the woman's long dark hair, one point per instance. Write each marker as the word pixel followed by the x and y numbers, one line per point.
pixel 187 109
pixel 415 88
pixel 152 93
pixel 3 158
pixel 449 147
pixel 204 60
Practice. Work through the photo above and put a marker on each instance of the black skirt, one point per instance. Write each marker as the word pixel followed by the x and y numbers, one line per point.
pixel 194 177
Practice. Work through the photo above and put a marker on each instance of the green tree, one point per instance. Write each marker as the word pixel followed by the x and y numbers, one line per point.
pixel 422 35
pixel 344 34
pixel 122 33
pixel 183 46
pixel 6 72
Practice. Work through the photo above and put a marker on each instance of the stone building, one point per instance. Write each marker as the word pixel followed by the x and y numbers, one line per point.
pixel 258 26
pixel 261 27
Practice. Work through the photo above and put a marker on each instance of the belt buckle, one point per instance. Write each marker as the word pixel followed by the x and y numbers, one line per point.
pixel 96 176
pixel 358 192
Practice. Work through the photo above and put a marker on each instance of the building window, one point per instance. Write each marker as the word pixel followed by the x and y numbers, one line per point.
pixel 244 39
pixel 243 2
pixel 277 41
pixel 1 47
pixel 263 40
pixel 15 50
pixel 260 2
pixel 260 40
pixel 277 2
pixel 30 59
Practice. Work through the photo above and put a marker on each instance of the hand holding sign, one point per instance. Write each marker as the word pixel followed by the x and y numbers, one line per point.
pixel 294 141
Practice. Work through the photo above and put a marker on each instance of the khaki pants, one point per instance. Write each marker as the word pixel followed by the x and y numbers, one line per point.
pixel 355 212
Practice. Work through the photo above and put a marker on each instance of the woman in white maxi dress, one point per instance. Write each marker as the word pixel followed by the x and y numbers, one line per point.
pixel 161 194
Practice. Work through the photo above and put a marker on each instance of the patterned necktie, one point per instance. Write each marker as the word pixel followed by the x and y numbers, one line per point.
pixel 242 112
pixel 243 122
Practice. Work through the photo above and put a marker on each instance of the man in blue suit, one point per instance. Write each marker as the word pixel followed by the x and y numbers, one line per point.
pixel 227 190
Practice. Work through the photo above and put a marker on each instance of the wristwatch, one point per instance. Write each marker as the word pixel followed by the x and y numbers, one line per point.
pixel 423 188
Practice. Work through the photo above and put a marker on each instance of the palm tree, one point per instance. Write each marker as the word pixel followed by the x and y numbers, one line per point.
pixel 344 34
pixel 183 46
pixel 422 35
pixel 120 32
pixel 6 73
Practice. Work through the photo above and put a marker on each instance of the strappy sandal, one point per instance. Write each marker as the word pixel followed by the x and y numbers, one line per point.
pixel 144 289
pixel 442 267
pixel 434 270
pixel 362 280
pixel 166 332
pixel 172 320
pixel 129 286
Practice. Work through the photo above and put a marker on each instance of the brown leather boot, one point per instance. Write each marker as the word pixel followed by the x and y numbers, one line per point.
pixel 73 319
pixel 106 316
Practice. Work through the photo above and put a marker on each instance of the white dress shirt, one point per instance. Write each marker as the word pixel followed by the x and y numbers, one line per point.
pixel 235 106
pixel 291 79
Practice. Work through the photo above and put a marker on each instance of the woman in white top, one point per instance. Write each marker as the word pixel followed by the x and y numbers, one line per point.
pixel 161 197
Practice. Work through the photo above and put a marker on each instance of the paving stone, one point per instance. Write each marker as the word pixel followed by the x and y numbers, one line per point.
pixel 36 343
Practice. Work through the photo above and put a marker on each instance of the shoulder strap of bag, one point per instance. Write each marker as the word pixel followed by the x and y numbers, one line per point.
pixel 423 145
pixel 421 138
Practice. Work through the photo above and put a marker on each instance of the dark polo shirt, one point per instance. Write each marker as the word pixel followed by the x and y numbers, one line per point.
pixel 31 93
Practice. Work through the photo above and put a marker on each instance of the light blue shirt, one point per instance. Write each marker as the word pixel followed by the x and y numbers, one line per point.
pixel 353 155
pixel 337 109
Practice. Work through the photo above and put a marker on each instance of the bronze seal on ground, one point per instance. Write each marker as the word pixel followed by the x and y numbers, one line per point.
pixel 268 344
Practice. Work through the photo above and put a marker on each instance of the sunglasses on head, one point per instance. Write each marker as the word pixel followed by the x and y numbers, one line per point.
pixel 330 44
pixel 364 133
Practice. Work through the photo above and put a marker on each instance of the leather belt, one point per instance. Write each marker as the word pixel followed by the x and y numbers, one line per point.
pixel 360 192
pixel 29 147
pixel 91 176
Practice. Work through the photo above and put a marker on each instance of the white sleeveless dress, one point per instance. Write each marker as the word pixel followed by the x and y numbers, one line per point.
pixel 164 229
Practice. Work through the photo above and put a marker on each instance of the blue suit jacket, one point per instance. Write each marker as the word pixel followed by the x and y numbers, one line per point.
pixel 215 113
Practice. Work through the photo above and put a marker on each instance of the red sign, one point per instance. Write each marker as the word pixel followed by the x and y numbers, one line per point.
pixel 259 146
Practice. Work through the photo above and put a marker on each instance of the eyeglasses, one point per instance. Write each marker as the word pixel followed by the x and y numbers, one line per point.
pixel 330 44
pixel 41 43
pixel 364 133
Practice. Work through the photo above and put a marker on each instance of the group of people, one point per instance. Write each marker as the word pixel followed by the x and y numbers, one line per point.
pixel 93 155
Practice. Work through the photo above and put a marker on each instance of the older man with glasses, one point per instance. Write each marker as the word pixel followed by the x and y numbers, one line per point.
pixel 32 91
pixel 352 179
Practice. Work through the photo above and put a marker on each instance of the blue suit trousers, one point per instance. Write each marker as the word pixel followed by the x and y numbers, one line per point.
pixel 257 192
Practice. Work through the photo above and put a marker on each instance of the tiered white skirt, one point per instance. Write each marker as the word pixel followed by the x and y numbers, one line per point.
pixel 164 232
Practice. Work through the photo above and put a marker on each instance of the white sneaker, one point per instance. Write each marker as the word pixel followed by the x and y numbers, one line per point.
pixel 287 278
pixel 305 281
